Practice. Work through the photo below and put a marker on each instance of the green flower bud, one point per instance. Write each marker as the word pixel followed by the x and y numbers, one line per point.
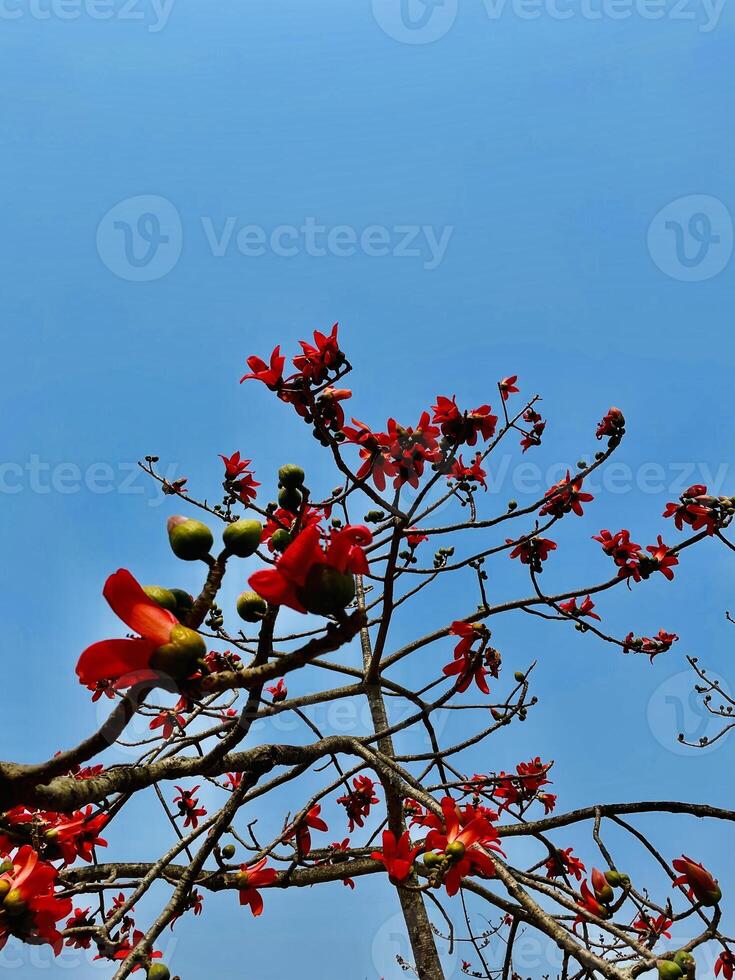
pixel 455 850
pixel 158 971
pixel 251 607
pixel 431 859
pixel 13 904
pixel 617 879
pixel 291 475
pixel 668 970
pixel 327 591
pixel 4 888
pixel 519 676
pixel 228 851
pixel 164 597
pixel 189 539
pixel 281 539
pixel 242 537
pixel 685 961
pixel 289 498
pixel 184 602
pixel 178 658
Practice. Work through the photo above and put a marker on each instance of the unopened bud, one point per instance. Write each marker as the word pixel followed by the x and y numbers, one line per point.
pixel 189 539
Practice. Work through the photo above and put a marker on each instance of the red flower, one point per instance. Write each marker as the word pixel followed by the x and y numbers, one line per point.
pixel 78 835
pixel 565 496
pixel 233 780
pixel 28 907
pixel 311 821
pixel 127 662
pixel 725 964
pixel 590 904
pixel 585 609
pixel 79 918
pixel 126 947
pixel 471 474
pixel 465 840
pixel 661 559
pixel 271 375
pixel 467 663
pixel 696 509
pixel 279 691
pixel 613 426
pixel 397 856
pixel 169 721
pixel 189 807
pixel 409 450
pixel 508 386
pixel 252 877
pixel 624 552
pixel 463 427
pixel 532 551
pixel 654 928
pixel 331 412
pixel 700 882
pixel 533 436
pixel 525 785
pixel 564 862
pixel 238 474
pixel 651 646
pixel 320 357
pixel 304 574
pixel 414 537
pixel 357 801
pixel 372 444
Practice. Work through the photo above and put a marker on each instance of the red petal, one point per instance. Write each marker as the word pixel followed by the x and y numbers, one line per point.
pixel 275 589
pixel 111 659
pixel 128 601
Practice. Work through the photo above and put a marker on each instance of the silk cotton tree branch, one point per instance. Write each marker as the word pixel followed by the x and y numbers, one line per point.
pixel 480 858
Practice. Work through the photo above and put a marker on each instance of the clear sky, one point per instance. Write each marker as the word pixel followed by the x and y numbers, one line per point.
pixel 473 190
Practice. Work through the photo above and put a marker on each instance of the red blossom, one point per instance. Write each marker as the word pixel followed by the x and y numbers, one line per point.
pixel 465 839
pixel 564 862
pixel 612 426
pixel 532 551
pixel 725 965
pixel 128 662
pixel 654 928
pixel 27 896
pixel 252 877
pixel 303 573
pixel 463 428
pixel 565 496
pixel 302 832
pixel 508 386
pixel 702 886
pixel 278 691
pixel 189 806
pixel 474 473
pixel 397 856
pixel 319 358
pixel 357 801
pixel 585 609
pixel 270 374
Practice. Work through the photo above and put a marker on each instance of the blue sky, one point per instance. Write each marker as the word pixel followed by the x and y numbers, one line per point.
pixel 502 190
